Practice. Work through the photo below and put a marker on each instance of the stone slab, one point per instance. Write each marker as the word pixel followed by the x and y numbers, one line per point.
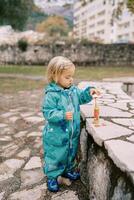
pixel 20 134
pixel 34 134
pixel 1 195
pixel 5 138
pixel 3 125
pixel 105 111
pixel 120 105
pixel 5 172
pixel 31 194
pixel 34 162
pixel 105 131
pixel 25 153
pixel 26 114
pixel 125 121
pixel 66 195
pixel 29 177
pixel 131 138
pixel 14 164
pixel 122 154
pixel 34 119
pixel 13 119
pixel 7 114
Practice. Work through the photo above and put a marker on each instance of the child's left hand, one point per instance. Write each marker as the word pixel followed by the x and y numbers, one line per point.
pixel 94 92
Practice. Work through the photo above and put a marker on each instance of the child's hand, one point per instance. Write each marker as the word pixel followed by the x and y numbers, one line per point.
pixel 69 115
pixel 94 92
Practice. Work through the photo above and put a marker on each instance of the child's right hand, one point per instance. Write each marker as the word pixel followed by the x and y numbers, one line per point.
pixel 69 115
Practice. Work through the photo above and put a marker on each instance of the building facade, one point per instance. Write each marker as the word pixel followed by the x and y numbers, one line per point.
pixel 94 20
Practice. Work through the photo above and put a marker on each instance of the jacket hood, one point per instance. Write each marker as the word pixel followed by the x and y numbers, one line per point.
pixel 53 87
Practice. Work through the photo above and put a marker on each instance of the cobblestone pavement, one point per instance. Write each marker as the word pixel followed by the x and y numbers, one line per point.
pixel 21 154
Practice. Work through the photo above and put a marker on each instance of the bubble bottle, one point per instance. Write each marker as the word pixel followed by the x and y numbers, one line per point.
pixel 96 112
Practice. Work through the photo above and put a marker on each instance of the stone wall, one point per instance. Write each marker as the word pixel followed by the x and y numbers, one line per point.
pixel 107 147
pixel 86 54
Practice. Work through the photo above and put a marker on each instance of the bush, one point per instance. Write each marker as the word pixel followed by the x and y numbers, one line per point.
pixel 22 44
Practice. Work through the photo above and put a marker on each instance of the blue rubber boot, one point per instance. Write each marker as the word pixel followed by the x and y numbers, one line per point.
pixel 73 176
pixel 52 185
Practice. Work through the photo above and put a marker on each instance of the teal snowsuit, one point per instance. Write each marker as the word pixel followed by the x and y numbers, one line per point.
pixel 61 136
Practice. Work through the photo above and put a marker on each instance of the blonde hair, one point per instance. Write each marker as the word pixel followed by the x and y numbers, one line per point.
pixel 56 66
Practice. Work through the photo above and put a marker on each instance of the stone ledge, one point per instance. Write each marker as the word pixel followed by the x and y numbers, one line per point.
pixel 116 128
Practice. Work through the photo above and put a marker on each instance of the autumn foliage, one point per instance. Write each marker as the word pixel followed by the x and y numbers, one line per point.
pixel 53 25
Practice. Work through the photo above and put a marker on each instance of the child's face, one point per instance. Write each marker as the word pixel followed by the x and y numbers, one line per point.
pixel 66 78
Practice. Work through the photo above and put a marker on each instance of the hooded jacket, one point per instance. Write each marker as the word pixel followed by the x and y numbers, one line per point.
pixel 61 136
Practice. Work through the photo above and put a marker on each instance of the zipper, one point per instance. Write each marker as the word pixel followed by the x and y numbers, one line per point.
pixel 72 128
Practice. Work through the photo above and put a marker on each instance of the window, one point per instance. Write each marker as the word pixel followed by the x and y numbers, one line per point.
pixel 102 22
pixel 102 13
pixel 92 17
pixel 101 32
pixel 92 26
pixel 126 25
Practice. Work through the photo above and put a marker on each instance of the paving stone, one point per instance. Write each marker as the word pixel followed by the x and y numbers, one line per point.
pixel 30 177
pixel 108 101
pixel 20 134
pixel 26 114
pixel 24 154
pixel 34 162
pixel 132 111
pixel 15 110
pixel 123 96
pixel 34 119
pixel 131 138
pixel 108 96
pixel 38 143
pixel 9 150
pixel 7 114
pixel 4 177
pixel 131 127
pixel 13 119
pixel 66 195
pixel 131 107
pixel 123 159
pixel 119 105
pixel 105 131
pixel 35 134
pixel 105 111
pixel 14 164
pixel 125 122
pixel 41 128
pixel 5 172
pixel 32 194
pixel 124 100
pixel 3 125
pixel 131 103
pixel 5 130
pixel 1 195
pixel 5 138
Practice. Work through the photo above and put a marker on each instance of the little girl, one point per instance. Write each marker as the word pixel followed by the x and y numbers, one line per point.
pixel 61 109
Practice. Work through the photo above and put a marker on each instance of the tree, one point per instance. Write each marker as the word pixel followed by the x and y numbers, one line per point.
pixel 54 25
pixel 117 12
pixel 35 16
pixel 129 3
pixel 15 12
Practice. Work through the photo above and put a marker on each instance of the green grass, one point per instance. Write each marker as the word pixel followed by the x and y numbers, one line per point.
pixel 98 73
pixel 11 85
pixel 85 73
pixel 26 70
